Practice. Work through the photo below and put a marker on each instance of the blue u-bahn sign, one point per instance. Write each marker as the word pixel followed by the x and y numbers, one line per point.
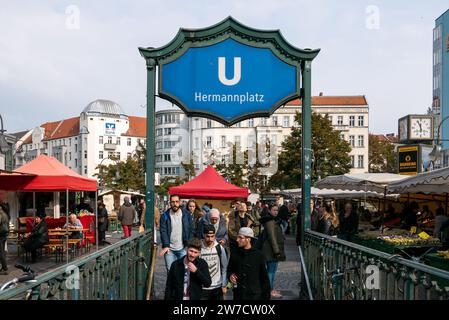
pixel 228 80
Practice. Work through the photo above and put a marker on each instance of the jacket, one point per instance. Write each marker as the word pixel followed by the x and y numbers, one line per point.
pixel 4 224
pixel 126 214
pixel 222 232
pixel 252 277
pixel 103 221
pixel 175 280
pixel 165 228
pixel 272 239
pixel 234 224
pixel 348 226
pixel 39 234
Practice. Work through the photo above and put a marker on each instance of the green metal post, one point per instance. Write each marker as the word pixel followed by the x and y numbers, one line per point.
pixel 140 272
pixel 306 154
pixel 151 105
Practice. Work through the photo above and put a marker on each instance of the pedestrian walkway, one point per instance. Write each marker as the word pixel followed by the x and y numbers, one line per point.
pixel 287 276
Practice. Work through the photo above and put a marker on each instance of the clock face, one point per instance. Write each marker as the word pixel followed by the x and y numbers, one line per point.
pixel 420 128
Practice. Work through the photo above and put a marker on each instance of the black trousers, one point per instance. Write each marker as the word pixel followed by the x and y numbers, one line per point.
pixel 3 253
pixel 212 295
pixel 31 245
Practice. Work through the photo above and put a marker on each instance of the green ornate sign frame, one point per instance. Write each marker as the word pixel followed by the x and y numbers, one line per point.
pixel 231 28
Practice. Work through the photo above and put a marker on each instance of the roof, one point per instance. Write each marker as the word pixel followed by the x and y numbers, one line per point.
pixel 373 182
pixel 209 185
pixel 59 129
pixel 103 106
pixel 432 182
pixel 333 101
pixel 382 137
pixel 137 127
pixel 20 134
pixel 52 175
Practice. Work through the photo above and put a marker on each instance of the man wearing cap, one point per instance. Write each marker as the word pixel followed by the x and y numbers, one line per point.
pixel 38 237
pixel 247 269
pixel 215 256
pixel 217 220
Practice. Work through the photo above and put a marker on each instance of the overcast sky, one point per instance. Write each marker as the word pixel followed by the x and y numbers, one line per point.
pixel 50 69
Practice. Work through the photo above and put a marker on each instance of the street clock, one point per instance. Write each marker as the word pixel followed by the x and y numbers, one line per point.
pixel 415 128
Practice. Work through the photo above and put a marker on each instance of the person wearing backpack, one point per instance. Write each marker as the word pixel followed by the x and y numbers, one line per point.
pixel 4 231
pixel 271 244
pixel 215 256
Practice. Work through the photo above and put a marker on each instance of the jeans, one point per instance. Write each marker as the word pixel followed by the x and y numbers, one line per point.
pixel 172 255
pixel 212 295
pixel 284 226
pixel 272 267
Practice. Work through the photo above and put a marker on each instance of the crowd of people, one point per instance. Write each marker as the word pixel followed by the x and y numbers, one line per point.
pixel 208 254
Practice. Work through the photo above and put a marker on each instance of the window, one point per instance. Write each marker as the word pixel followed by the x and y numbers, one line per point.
pixel 70 156
pixel 238 124
pixel 237 140
pixel 361 121
pixel 128 141
pixel 85 154
pixel 360 141
pixel 118 155
pixel 342 136
pixel 100 155
pixel 250 123
pixel 159 120
pixel 118 141
pixel 197 143
pixel 109 140
pixel 128 155
pixel 274 139
pixel 223 141
pixel 360 161
pixel 159 145
pixel 274 121
pixel 208 142
pixel 100 139
pixel 352 161
pixel 352 141
pixel 286 121
pixel 159 158
pixel 331 119
pixel 138 141
pixel 158 132
pixel 263 121
pixel 110 154
pixel 171 118
pixel 208 123
pixel 70 142
pixel 196 123
pixel 85 169
pixel 168 131
pixel 169 144
pixel 352 121
pixel 76 147
pixel 340 120
pixel 167 157
pixel 76 163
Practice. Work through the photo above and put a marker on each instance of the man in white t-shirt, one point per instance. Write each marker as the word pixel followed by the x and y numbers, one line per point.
pixel 215 256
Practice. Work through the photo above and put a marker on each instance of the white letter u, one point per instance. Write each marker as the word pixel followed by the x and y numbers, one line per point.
pixel 222 71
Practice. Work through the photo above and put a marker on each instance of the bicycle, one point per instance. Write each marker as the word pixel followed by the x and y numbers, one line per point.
pixel 28 277
pixel 350 279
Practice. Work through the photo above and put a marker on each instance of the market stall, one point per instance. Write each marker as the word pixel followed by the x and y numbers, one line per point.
pixel 212 186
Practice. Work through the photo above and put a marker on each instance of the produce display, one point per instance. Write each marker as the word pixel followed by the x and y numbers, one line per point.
pixel 443 254
pixel 409 240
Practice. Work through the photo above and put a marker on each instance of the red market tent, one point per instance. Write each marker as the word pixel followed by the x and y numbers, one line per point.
pixel 209 185
pixel 52 175
pixel 13 181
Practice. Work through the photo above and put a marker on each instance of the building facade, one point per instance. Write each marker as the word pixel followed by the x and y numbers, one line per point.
pixel 81 143
pixel 205 140
pixel 440 105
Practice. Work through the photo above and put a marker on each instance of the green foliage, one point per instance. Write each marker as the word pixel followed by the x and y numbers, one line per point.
pixel 330 154
pixel 168 182
pixel 382 156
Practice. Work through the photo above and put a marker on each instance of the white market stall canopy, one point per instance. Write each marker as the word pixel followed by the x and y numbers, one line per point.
pixel 368 182
pixel 336 194
pixel 432 182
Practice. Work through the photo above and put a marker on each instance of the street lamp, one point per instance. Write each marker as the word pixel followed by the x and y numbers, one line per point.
pixel 435 154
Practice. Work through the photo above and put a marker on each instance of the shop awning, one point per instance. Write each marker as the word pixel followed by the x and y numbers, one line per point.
pixel 432 182
pixel 372 182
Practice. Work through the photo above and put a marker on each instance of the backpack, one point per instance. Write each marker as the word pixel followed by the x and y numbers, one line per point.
pixel 218 248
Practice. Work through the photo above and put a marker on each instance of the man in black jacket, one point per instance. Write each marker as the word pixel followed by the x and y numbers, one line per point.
pixel 247 270
pixel 188 275
pixel 38 237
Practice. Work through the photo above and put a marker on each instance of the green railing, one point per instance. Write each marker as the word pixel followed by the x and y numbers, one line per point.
pixel 362 273
pixel 117 272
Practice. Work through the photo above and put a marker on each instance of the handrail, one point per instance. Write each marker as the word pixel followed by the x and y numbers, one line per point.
pixel 63 270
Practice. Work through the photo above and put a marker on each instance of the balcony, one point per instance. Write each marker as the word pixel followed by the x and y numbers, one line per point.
pixel 110 146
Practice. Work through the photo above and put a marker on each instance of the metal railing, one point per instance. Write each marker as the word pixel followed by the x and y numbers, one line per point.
pixel 341 270
pixel 118 272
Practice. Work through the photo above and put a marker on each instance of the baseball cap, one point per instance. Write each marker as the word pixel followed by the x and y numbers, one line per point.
pixel 208 228
pixel 246 232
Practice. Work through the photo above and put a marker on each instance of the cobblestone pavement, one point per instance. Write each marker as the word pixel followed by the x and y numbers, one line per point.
pixel 286 281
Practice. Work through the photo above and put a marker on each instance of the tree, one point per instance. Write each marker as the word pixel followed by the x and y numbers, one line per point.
pixel 168 182
pixel 330 154
pixel 189 169
pixel 382 155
